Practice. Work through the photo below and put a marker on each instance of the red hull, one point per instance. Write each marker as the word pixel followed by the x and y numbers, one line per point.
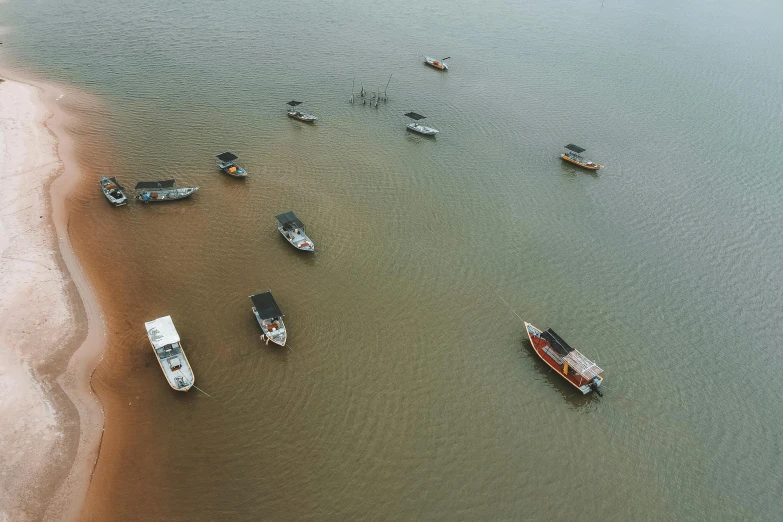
pixel 544 350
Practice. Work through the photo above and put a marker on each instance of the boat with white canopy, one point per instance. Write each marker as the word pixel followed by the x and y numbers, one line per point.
pixel 269 318
pixel 168 349
pixel 417 127
pixel 293 231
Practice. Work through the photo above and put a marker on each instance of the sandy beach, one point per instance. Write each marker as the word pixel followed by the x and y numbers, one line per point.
pixel 51 330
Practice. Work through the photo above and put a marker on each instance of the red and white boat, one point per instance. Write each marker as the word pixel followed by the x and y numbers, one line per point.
pixel 574 367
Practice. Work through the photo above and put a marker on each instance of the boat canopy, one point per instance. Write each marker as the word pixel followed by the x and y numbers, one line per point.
pixel 582 365
pixel 557 344
pixel 289 220
pixel 155 184
pixel 114 180
pixel 161 332
pixel 574 148
pixel 265 304
pixel 227 156
pixel 415 115
pixel 294 103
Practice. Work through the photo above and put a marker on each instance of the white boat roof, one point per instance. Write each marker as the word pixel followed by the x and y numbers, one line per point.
pixel 161 332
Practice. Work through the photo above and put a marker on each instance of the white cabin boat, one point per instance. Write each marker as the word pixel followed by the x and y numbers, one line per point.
pixel 293 231
pixel 417 127
pixel 168 350
pixel 269 318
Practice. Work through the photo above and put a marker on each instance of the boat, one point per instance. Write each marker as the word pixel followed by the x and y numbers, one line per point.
pixel 417 127
pixel 297 115
pixel 161 191
pixel 269 318
pixel 438 64
pixel 293 231
pixel 568 362
pixel 168 350
pixel 113 191
pixel 226 164
pixel 574 156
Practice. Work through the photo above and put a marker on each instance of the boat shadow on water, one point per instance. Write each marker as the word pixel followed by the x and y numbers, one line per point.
pixel 552 380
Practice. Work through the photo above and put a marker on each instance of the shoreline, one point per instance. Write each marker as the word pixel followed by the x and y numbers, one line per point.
pixel 52 334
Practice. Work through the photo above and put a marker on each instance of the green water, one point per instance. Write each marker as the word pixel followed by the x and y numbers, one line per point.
pixel 409 391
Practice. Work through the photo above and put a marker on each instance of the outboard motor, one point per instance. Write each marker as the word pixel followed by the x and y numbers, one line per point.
pixel 596 388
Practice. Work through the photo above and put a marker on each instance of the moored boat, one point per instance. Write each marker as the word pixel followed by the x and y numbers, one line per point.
pixel 168 350
pixel 113 191
pixel 441 64
pixel 269 318
pixel 568 362
pixel 226 164
pixel 574 156
pixel 298 115
pixel 293 231
pixel 417 127
pixel 149 191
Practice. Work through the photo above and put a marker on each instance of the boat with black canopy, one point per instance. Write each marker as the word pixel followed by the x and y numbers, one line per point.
pixel 417 127
pixel 113 191
pixel 298 115
pixel 441 64
pixel 226 164
pixel 269 318
pixel 168 350
pixel 574 155
pixel 293 231
pixel 568 362
pixel 149 191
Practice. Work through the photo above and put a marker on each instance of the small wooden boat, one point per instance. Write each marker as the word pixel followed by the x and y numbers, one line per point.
pixel 226 164
pixel 441 64
pixel 113 191
pixel 168 350
pixel 297 115
pixel 574 156
pixel 568 362
pixel 150 191
pixel 269 318
pixel 293 231
pixel 417 127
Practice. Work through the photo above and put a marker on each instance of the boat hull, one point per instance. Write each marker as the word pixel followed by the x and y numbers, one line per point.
pixel 238 173
pixel 113 193
pixel 278 336
pixel 307 118
pixel 587 166
pixel 540 345
pixel 163 369
pixel 299 242
pixel 421 129
pixel 436 64
pixel 151 196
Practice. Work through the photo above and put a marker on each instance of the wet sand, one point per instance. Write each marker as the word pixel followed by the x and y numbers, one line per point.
pixel 51 330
